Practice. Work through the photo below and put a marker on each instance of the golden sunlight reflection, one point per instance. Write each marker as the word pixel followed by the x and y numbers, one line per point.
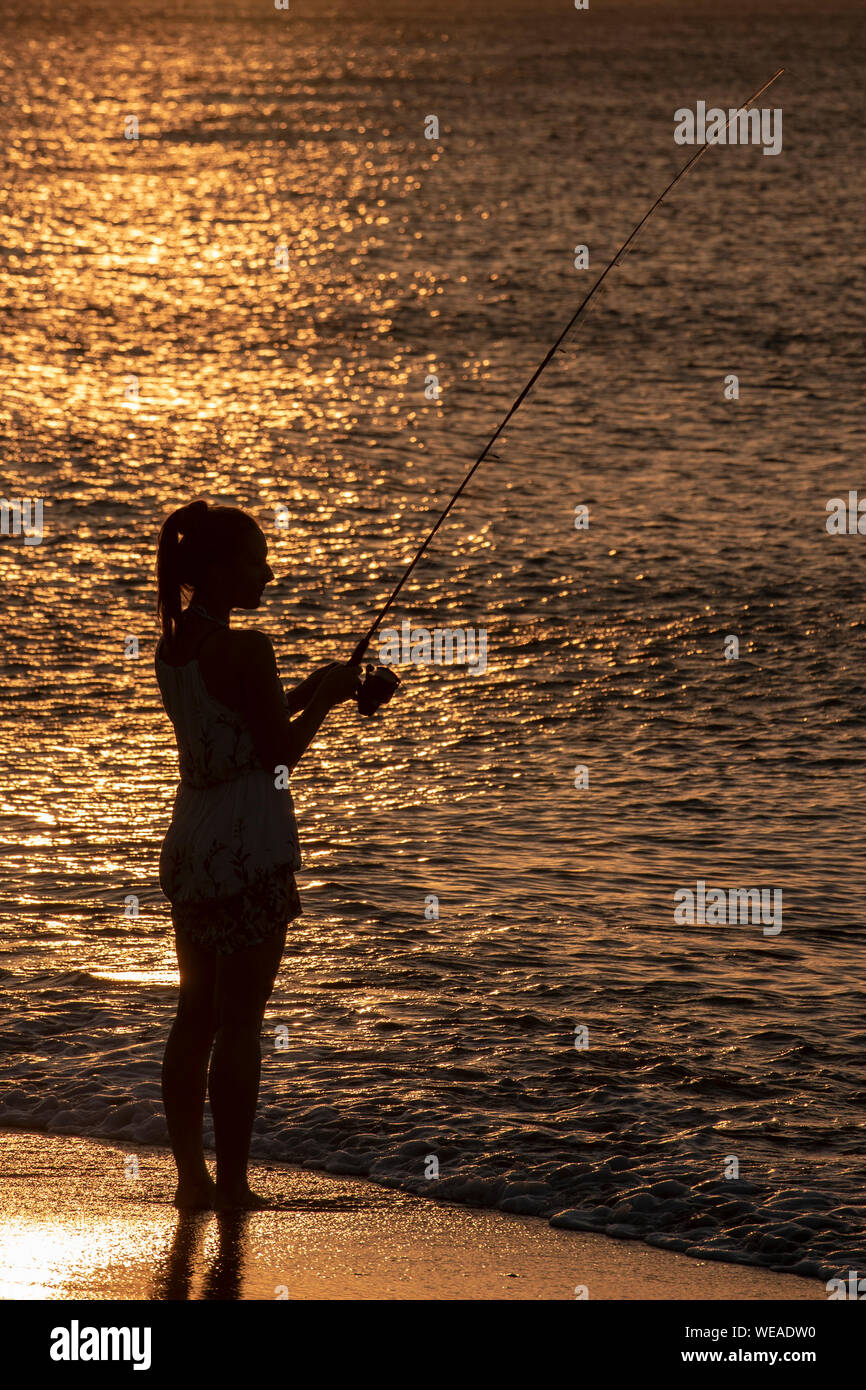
pixel 47 1259
pixel 138 977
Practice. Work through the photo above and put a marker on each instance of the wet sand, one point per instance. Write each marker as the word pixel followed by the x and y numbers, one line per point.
pixel 85 1220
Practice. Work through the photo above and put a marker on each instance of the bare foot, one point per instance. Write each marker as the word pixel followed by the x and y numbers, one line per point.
pixel 243 1199
pixel 195 1196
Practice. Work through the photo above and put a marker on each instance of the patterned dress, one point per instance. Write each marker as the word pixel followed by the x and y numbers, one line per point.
pixel 228 861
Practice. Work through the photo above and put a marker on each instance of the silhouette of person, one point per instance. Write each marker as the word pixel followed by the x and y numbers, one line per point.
pixel 228 861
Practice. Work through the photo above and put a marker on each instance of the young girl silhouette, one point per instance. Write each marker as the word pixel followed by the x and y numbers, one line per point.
pixel 229 858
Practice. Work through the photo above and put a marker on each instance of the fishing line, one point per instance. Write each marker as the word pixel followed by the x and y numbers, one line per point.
pixel 358 654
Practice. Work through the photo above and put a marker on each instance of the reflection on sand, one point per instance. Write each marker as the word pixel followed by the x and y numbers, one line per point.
pixel 193 1248
pixel 74 1226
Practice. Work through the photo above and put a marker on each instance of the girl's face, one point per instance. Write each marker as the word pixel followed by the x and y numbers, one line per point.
pixel 250 572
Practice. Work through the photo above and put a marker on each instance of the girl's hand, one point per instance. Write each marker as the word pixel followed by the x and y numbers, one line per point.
pixel 339 682
pixel 313 681
pixel 300 695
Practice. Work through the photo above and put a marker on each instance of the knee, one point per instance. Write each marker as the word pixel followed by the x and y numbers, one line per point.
pixel 241 1009
pixel 196 1020
pixel 239 1019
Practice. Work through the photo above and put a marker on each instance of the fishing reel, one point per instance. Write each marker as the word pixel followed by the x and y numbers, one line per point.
pixel 377 688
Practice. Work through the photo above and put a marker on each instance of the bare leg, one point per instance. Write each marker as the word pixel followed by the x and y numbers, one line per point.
pixel 243 986
pixel 184 1072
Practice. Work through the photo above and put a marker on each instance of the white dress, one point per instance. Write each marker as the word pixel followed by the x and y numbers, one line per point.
pixel 232 829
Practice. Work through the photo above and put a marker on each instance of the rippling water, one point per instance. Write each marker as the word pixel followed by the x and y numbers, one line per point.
pixel 246 302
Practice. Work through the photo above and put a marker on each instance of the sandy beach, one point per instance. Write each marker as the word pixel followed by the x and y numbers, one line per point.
pixel 78 1223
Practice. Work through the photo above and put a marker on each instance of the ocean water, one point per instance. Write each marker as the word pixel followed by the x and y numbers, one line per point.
pixel 246 302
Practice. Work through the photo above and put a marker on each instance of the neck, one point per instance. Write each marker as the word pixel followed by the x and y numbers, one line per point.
pixel 212 607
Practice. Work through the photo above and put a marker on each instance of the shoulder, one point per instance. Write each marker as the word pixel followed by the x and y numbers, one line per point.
pixel 250 650
pixel 239 664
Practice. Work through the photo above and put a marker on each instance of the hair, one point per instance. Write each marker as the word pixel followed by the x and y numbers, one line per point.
pixel 190 540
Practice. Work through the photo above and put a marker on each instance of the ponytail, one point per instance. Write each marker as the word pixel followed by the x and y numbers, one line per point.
pixel 191 539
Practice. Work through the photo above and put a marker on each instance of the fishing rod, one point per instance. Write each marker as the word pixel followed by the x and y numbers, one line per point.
pixel 381 682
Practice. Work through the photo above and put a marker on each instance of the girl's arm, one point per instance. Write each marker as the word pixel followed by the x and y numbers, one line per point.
pixel 279 740
pixel 300 695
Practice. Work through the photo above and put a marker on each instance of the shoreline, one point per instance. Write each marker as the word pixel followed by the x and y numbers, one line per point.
pixel 87 1219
